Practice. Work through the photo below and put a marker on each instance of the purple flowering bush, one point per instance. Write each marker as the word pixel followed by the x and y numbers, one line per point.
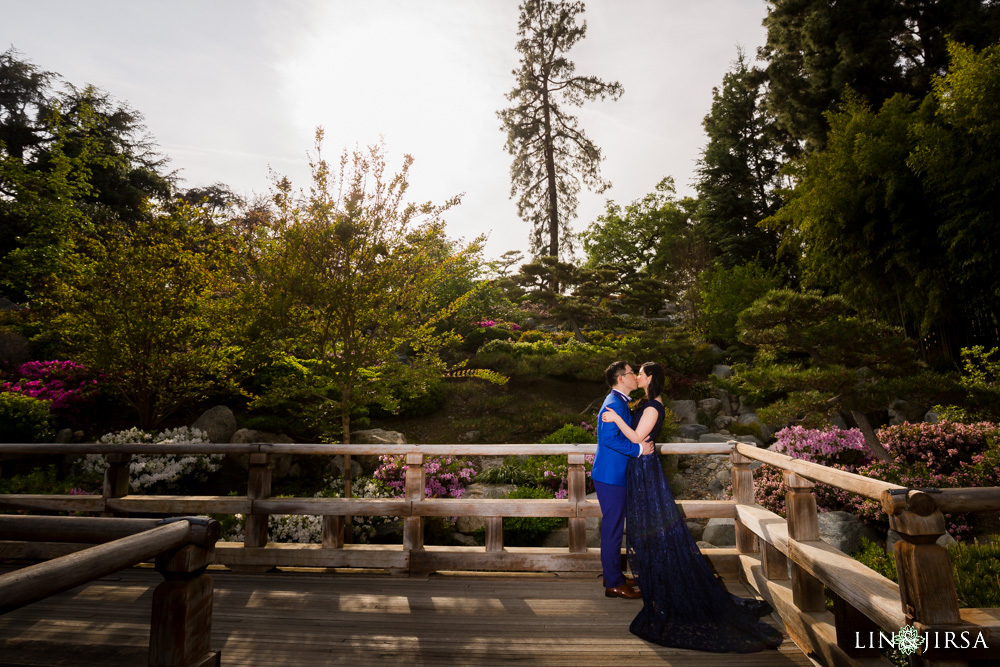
pixel 445 476
pixel 834 447
pixel 942 455
pixel 69 387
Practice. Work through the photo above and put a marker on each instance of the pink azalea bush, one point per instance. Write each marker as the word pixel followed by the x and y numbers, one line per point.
pixel 489 324
pixel 838 448
pixel 69 387
pixel 445 476
pixel 942 455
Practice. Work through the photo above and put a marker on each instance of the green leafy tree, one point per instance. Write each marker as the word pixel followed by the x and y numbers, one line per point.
pixel 739 171
pixel 348 283
pixel 152 310
pixel 723 293
pixel 816 49
pixel 552 154
pixel 817 357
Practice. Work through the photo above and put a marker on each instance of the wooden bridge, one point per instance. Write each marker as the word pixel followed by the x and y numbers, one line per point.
pixel 437 616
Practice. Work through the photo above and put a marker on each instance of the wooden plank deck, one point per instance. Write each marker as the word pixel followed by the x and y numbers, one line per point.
pixel 328 618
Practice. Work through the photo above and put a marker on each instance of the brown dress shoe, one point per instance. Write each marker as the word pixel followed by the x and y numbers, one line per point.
pixel 628 580
pixel 623 591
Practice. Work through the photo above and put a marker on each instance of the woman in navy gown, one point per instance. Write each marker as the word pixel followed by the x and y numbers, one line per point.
pixel 684 605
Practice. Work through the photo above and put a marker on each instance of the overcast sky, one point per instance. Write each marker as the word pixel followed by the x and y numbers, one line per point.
pixel 232 89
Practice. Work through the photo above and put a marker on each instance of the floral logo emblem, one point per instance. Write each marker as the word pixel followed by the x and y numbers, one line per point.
pixel 908 640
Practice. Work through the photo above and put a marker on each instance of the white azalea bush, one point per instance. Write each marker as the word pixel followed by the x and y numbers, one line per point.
pixel 159 472
pixel 306 529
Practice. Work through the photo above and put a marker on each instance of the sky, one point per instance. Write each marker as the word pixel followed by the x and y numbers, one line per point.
pixel 233 91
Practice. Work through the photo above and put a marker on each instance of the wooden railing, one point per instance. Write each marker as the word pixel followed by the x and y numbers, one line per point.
pixel 181 619
pixel 411 557
pixel 784 560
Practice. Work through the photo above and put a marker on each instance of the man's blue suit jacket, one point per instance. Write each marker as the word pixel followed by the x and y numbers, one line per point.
pixel 613 448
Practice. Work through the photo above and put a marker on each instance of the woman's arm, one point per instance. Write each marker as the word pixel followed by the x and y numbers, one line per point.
pixel 642 429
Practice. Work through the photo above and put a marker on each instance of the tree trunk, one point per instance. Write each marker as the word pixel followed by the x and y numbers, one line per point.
pixel 550 177
pixel 880 452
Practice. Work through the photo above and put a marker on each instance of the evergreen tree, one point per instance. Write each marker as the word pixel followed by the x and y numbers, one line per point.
pixel 552 154
pixel 739 169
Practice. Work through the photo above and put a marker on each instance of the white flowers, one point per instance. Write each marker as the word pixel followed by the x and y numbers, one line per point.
pixel 163 470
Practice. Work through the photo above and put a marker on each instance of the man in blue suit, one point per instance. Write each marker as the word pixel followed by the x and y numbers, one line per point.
pixel 613 452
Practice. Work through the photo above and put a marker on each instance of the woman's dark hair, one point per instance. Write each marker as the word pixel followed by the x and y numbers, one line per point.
pixel 654 372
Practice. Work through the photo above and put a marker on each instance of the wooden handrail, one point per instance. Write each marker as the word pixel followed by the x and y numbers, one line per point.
pixel 36 582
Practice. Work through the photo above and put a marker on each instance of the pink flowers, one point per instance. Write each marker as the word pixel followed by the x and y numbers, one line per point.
pixel 444 476
pixel 487 324
pixel 69 387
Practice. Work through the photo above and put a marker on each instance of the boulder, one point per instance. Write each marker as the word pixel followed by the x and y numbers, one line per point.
pixel 710 406
pixel 693 431
pixel 750 440
pixel 723 421
pixel 697 530
pixel 13 348
pixel 720 532
pixel 931 417
pixel 901 411
pixel 219 423
pixel 712 437
pixel 843 531
pixel 722 371
pixel 377 436
pixel 559 538
pixel 249 435
pixel 716 488
pixel 686 411
pixel 63 436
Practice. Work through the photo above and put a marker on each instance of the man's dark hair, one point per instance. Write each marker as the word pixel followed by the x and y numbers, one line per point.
pixel 615 371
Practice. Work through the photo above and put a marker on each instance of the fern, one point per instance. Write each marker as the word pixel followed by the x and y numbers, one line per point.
pixel 479 374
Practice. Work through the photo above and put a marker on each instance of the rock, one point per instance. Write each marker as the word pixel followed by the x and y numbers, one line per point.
pixel 722 371
pixel 702 544
pixel 892 537
pixel 725 476
pixel 470 436
pixel 750 440
pixel 843 531
pixel 248 435
pixel 693 431
pixel 931 417
pixel 716 488
pixel 743 406
pixel 686 411
pixel 710 406
pixel 678 485
pixel 463 540
pixel 697 530
pixel 725 401
pixel 594 522
pixel 7 304
pixel 751 419
pixel 838 421
pixel 901 411
pixel 720 532
pixel 712 437
pixel 64 435
pixel 14 348
pixel 528 323
pixel 219 423
pixel 723 421
pixel 377 436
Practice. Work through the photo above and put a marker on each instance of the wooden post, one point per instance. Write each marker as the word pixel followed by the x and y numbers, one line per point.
pixel 577 483
pixel 116 479
pixel 494 533
pixel 851 624
pixel 180 630
pixel 923 569
pixel 258 488
pixel 333 532
pixel 413 526
pixel 803 525
pixel 743 494
pixel 774 563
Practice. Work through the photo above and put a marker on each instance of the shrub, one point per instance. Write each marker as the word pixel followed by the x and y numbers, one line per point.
pixel 159 472
pixel 975 570
pixel 526 531
pixel 68 386
pixel 941 455
pixel 506 474
pixel 24 419
pixel 722 293
pixel 44 481
pixel 834 447
pixel 445 476
pixel 571 434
